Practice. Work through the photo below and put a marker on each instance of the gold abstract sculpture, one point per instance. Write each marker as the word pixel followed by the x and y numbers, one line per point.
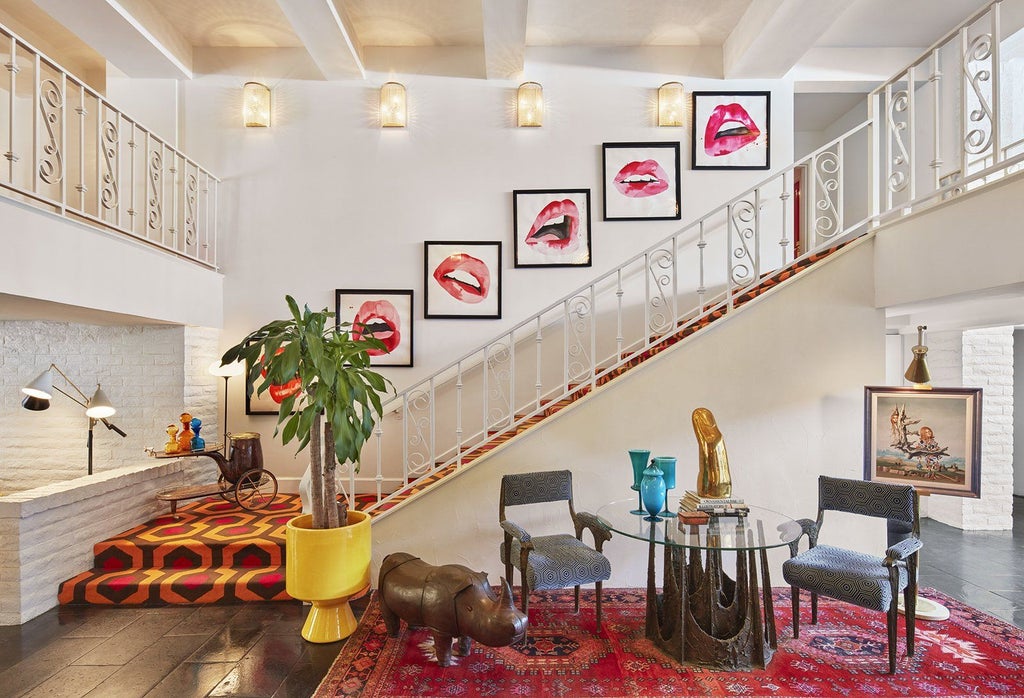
pixel 713 479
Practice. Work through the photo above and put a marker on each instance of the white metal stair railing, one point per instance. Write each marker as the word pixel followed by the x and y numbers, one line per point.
pixel 844 189
pixel 71 152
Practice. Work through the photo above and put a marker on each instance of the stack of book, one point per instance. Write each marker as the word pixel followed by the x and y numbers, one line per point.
pixel 726 506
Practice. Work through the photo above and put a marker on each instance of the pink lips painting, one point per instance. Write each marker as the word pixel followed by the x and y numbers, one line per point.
pixel 552 227
pixel 730 130
pixel 385 315
pixel 462 279
pixel 641 181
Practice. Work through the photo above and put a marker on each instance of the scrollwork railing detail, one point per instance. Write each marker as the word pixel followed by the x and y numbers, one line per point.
pixel 109 193
pixel 191 185
pixel 418 408
pixel 827 174
pixel 156 163
pixel 499 367
pixel 899 176
pixel 743 242
pixel 659 266
pixel 578 318
pixel 978 139
pixel 51 107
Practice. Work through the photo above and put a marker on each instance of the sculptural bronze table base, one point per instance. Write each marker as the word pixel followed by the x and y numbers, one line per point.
pixel 702 615
pixel 721 626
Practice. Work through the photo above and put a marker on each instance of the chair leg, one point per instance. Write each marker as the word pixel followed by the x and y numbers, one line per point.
pixel 795 594
pixel 891 627
pixel 910 610
pixel 526 609
pixel 814 608
pixel 597 586
pixel 576 609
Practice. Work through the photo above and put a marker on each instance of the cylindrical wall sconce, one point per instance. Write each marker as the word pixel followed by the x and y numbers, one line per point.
pixel 393 110
pixel 670 104
pixel 530 104
pixel 256 104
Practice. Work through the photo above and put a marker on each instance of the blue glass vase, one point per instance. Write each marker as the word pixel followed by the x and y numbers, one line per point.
pixel 639 458
pixel 667 466
pixel 652 492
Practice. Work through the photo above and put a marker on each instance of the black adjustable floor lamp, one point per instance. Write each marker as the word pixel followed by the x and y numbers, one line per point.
pixel 40 391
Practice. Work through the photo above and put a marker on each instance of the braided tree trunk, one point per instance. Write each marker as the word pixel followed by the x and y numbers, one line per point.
pixel 316 480
pixel 335 511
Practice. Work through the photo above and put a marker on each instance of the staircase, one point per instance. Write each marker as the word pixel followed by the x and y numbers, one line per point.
pixel 708 269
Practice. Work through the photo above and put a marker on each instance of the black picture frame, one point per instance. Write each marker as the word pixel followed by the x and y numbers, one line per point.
pixel 390 306
pixel 568 243
pixel 641 181
pixel 944 460
pixel 735 148
pixel 462 279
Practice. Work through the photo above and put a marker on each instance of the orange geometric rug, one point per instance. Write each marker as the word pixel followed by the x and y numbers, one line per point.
pixel 214 552
pixel 971 654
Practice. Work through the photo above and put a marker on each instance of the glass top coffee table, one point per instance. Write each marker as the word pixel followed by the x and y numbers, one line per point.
pixel 720 625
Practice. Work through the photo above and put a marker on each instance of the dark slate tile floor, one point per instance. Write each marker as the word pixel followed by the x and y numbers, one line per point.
pixel 255 650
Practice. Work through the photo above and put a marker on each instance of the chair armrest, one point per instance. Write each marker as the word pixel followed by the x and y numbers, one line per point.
pixel 598 528
pixel 902 550
pixel 808 528
pixel 516 531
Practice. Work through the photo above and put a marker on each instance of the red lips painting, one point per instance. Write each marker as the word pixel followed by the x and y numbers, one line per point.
pixel 641 181
pixel 385 315
pixel 552 227
pixel 730 130
pixel 462 279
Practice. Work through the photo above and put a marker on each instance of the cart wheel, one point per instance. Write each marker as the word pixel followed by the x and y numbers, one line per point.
pixel 227 490
pixel 256 489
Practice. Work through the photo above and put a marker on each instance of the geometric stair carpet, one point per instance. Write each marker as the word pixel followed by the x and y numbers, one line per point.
pixel 214 552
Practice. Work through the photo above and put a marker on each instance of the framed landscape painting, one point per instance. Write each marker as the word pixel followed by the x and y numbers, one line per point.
pixel 730 131
pixel 551 227
pixel 383 314
pixel 641 181
pixel 462 279
pixel 930 439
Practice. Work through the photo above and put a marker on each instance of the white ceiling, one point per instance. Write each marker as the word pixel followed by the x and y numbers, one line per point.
pixel 347 38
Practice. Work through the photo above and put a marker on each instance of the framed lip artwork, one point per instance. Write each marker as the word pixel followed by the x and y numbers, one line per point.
pixel 384 314
pixel 269 402
pixel 462 280
pixel 731 131
pixel 551 227
pixel 930 439
pixel 641 181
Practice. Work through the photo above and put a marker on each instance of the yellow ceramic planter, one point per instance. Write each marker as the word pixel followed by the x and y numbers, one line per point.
pixel 327 567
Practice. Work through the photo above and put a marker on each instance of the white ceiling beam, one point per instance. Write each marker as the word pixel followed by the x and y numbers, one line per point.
pixel 849 69
pixel 131 34
pixel 504 37
pixel 773 35
pixel 328 35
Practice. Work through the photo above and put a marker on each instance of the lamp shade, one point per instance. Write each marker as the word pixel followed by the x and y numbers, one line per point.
pixel 36 404
pixel 235 368
pixel 530 104
pixel 917 373
pixel 256 104
pixel 99 405
pixel 670 104
pixel 40 387
pixel 393 109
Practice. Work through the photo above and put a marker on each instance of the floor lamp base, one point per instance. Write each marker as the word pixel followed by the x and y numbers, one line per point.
pixel 927 609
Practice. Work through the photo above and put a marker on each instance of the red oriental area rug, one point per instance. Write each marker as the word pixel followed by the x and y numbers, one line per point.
pixel 971 654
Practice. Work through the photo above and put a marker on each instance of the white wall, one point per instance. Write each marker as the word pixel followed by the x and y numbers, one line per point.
pixel 783 426
pixel 324 199
pixel 1018 413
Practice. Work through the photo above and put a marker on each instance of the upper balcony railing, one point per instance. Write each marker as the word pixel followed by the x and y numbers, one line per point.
pixel 937 129
pixel 70 151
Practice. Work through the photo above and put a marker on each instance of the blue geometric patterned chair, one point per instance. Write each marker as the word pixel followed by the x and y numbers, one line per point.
pixel 555 561
pixel 857 578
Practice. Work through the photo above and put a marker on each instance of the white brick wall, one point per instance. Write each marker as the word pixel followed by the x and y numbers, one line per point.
pixel 980 358
pixel 150 372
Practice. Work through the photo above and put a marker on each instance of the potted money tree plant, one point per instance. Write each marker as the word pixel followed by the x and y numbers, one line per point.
pixel 330 401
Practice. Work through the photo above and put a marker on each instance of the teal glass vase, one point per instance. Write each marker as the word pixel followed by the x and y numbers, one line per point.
pixel 638 457
pixel 652 492
pixel 667 466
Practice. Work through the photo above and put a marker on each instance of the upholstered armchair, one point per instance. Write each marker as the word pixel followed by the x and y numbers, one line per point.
pixel 554 561
pixel 858 578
